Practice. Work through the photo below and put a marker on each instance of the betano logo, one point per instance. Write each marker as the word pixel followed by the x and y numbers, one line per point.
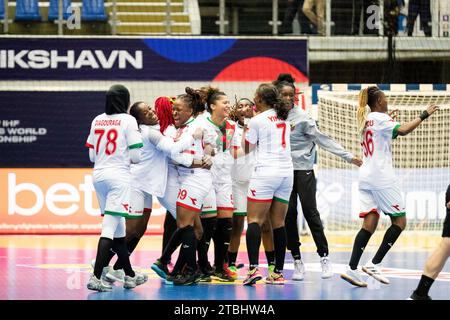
pixel 40 194
pixel 54 59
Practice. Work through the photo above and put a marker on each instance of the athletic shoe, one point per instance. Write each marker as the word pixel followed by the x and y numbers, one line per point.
pixel 326 268
pixel 232 273
pixel 239 265
pixel 374 271
pixel 222 276
pixel 299 270
pixel 415 296
pixel 205 273
pixel 133 282
pixel 104 272
pixel 186 278
pixel 275 278
pixel 169 279
pixel 115 275
pixel 160 269
pixel 252 277
pixel 97 284
pixel 353 277
pixel 270 272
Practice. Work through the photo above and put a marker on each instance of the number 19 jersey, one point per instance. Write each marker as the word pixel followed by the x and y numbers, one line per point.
pixel 377 171
pixel 111 137
pixel 273 152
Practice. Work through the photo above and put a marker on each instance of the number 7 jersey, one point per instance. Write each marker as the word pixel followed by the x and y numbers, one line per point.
pixel 377 171
pixel 111 137
pixel 273 151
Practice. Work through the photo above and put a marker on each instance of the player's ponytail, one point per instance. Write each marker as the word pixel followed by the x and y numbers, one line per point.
pixel 361 113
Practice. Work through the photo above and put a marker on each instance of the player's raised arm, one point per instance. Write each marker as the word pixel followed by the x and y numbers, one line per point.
pixel 408 127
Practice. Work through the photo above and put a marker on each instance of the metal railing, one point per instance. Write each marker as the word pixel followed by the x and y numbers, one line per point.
pixel 375 12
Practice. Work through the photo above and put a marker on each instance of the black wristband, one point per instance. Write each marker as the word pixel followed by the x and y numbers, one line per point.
pixel 424 115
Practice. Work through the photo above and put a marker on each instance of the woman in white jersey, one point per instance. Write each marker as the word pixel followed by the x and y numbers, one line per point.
pixel 241 172
pixel 114 142
pixel 378 187
pixel 271 181
pixel 220 198
pixel 194 185
pixel 149 176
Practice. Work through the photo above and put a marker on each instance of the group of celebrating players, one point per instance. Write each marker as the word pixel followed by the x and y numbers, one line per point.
pixel 211 164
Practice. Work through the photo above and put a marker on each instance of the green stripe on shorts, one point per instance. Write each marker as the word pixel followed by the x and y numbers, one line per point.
pixel 240 214
pixel 204 213
pixel 396 214
pixel 119 214
pixel 280 200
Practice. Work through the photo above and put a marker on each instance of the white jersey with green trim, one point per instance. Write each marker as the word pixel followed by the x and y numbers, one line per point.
pixel 111 137
pixel 273 151
pixel 377 171
pixel 242 168
pixel 226 141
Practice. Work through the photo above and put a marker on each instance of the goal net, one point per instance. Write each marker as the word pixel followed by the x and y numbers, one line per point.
pixel 421 160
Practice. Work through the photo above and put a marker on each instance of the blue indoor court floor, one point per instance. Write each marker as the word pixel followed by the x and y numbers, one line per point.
pixel 58 268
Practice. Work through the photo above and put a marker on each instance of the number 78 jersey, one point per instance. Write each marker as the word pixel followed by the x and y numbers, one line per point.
pixel 377 171
pixel 111 137
pixel 273 151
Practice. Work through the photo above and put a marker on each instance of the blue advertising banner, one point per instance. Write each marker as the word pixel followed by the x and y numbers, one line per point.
pixel 155 59
pixel 47 129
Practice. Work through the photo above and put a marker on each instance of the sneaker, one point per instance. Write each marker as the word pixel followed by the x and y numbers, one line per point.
pixel 354 277
pixel 169 279
pixel 415 296
pixel 326 268
pixel 222 276
pixel 115 275
pixel 133 282
pixel 252 277
pixel 299 270
pixel 275 278
pixel 186 278
pixel 97 284
pixel 270 272
pixel 205 273
pixel 234 270
pixel 231 271
pixel 160 269
pixel 104 272
pixel 374 271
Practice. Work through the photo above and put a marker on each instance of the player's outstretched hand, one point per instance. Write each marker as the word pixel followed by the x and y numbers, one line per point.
pixel 357 162
pixel 432 108
pixel 198 134
pixel 393 114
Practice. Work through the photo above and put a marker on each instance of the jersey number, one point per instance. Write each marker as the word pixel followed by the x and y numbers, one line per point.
pixel 111 137
pixel 367 144
pixel 283 134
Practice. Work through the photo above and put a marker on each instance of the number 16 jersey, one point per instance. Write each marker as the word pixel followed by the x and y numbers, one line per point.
pixel 377 171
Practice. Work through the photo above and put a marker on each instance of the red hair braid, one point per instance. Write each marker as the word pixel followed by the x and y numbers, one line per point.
pixel 163 108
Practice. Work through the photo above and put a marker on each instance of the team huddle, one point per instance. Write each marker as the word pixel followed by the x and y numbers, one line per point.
pixel 212 165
